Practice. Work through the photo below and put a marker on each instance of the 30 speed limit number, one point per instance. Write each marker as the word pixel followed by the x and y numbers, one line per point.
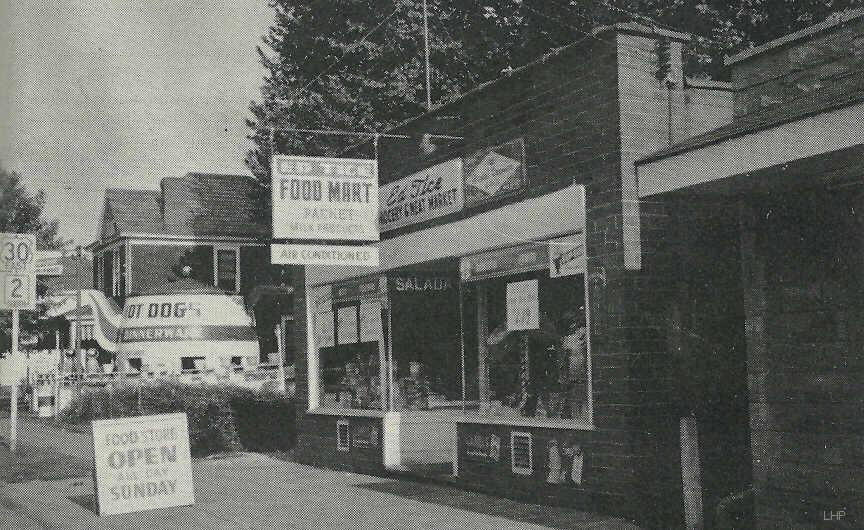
pixel 17 271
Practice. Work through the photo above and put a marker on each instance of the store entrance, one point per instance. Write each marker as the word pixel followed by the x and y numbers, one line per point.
pixel 425 365
pixel 710 350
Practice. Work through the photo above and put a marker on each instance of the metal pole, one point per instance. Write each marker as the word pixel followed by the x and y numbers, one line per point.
pixel 13 405
pixel 426 47
pixel 78 359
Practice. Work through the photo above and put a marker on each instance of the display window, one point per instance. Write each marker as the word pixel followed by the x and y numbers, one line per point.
pixel 501 335
pixel 349 338
pixel 526 324
pixel 426 328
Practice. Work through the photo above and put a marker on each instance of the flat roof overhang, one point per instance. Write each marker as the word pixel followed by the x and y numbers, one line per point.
pixel 824 149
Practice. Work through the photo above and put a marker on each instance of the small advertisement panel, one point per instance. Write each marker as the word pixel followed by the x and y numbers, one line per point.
pixel 494 172
pixel 433 192
pixel 142 463
pixel 523 305
pixel 324 255
pixel 49 262
pixel 330 199
pixel 567 255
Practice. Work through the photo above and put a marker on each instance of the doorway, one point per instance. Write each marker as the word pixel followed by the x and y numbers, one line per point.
pixel 711 356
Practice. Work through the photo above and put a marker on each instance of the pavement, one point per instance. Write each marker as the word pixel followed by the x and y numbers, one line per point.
pixel 256 491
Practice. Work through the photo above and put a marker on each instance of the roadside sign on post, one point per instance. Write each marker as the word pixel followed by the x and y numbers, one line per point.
pixel 49 262
pixel 17 271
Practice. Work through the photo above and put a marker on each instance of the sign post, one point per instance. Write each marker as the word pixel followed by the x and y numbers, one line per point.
pixel 13 402
pixel 17 292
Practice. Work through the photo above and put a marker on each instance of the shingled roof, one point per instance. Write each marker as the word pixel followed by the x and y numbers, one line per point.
pixel 195 205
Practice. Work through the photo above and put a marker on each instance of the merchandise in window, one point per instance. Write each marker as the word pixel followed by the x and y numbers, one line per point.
pixel 531 345
pixel 348 344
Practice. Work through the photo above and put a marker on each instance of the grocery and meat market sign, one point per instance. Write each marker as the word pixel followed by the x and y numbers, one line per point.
pixel 142 463
pixel 325 199
pixel 427 194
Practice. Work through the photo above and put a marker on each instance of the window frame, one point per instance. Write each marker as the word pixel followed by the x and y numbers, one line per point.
pixel 226 248
pixel 586 423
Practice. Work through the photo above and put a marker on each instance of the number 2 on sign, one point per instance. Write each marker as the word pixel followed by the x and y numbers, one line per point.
pixel 17 284
pixel 17 292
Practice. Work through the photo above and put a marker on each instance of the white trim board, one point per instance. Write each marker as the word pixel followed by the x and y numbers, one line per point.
pixel 816 135
pixel 534 219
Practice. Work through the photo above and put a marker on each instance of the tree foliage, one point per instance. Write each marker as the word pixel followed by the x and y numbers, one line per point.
pixel 358 64
pixel 22 212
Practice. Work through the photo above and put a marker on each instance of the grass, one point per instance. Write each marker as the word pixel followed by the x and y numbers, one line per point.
pixel 35 463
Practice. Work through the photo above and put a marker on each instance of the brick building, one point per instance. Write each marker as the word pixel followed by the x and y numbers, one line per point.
pixel 510 336
pixel 621 290
pixel 757 224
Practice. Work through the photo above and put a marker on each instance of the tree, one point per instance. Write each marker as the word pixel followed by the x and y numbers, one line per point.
pixel 358 64
pixel 22 212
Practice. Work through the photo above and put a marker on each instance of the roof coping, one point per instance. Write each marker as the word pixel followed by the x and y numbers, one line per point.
pixel 640 29
pixel 837 19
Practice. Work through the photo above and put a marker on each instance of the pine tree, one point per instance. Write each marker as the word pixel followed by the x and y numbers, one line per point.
pixel 358 64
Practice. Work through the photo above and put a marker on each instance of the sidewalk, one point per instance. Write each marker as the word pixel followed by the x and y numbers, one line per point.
pixel 254 491
pixel 251 491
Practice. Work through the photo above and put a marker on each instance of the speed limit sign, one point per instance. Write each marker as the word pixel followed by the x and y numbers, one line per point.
pixel 17 271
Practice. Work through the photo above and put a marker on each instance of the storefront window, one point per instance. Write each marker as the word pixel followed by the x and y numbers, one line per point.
pixel 348 337
pixel 528 331
pixel 426 339
pixel 501 334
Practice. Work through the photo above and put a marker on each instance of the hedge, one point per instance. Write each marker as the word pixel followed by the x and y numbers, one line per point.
pixel 221 418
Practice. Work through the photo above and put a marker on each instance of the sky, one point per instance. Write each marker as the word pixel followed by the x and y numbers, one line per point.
pixel 120 93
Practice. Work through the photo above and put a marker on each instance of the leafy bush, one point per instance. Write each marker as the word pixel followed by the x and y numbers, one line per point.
pixel 221 418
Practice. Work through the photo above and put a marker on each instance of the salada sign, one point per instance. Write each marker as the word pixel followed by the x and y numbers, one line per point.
pixel 142 463
pixel 427 194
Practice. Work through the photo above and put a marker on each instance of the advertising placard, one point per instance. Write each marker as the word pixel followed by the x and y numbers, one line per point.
pixel 17 271
pixel 324 255
pixel 318 198
pixel 523 305
pixel 49 262
pixel 427 194
pixel 567 255
pixel 494 172
pixel 142 463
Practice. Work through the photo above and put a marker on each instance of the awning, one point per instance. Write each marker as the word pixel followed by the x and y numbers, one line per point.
pixel 536 219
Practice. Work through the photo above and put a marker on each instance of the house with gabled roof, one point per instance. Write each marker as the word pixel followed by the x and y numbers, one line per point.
pixel 208 224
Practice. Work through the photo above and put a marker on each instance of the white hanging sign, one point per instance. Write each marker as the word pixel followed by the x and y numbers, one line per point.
pixel 326 199
pixel 523 305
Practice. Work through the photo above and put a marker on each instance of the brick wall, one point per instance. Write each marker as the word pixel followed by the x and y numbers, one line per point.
pixel 788 71
pixel 802 273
